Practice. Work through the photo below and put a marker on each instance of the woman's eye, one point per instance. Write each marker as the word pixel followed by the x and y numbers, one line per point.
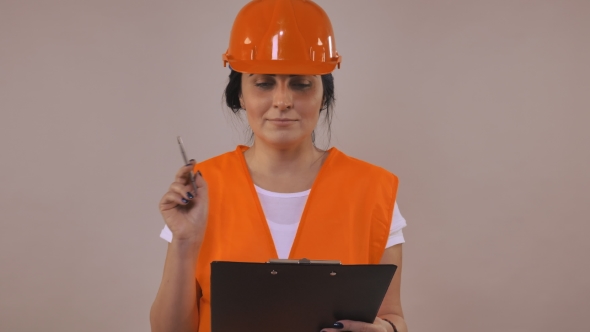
pixel 301 85
pixel 263 84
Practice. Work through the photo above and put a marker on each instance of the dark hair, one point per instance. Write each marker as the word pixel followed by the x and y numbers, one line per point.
pixel 233 91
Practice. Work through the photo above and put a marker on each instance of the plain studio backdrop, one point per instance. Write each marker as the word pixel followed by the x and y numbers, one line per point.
pixel 480 107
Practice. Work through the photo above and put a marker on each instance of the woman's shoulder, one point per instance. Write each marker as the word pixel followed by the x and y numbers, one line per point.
pixel 364 178
pixel 223 160
pixel 350 163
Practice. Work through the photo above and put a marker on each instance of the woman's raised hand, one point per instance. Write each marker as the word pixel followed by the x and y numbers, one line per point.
pixel 184 211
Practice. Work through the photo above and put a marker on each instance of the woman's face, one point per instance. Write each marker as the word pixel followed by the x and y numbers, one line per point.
pixel 282 110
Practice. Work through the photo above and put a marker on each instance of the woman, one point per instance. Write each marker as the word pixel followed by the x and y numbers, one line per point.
pixel 280 197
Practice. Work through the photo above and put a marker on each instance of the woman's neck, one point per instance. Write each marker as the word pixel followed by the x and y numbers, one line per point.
pixel 286 169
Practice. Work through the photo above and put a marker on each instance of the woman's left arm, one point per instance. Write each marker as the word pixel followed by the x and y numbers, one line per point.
pixel 391 308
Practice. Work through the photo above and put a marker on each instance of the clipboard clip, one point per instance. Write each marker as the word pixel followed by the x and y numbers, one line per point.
pixel 304 261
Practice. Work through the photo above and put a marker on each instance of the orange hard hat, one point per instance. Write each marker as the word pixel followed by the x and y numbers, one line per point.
pixel 282 37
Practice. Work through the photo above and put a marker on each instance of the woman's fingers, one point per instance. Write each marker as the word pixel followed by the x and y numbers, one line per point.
pixel 171 200
pixel 183 177
pixel 200 181
pixel 354 326
pixel 186 191
pixel 181 193
pixel 183 174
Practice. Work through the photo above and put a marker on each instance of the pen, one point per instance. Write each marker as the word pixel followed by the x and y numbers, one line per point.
pixel 186 162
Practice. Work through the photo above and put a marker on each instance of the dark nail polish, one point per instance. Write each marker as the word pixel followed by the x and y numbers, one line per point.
pixel 191 160
pixel 338 325
pixel 189 195
pixel 199 172
pixel 189 164
pixel 184 200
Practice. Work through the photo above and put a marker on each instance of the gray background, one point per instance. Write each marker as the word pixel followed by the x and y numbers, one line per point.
pixel 482 109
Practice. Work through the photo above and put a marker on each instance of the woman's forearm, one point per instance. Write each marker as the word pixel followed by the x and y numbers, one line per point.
pixel 175 307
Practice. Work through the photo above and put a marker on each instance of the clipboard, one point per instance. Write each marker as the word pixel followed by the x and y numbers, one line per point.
pixel 294 295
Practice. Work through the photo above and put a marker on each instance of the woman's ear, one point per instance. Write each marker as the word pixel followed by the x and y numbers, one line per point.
pixel 242 103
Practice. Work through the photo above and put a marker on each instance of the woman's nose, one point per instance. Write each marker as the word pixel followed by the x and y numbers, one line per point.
pixel 282 97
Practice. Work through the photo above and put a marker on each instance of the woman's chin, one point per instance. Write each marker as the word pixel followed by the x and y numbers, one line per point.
pixel 283 140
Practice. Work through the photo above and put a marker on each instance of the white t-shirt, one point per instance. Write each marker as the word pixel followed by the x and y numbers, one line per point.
pixel 283 212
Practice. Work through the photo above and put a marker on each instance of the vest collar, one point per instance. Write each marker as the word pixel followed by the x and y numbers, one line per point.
pixel 332 152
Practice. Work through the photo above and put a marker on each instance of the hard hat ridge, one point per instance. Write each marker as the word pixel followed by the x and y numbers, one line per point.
pixel 287 43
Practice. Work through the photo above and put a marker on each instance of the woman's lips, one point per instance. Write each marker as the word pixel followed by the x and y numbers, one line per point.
pixel 282 122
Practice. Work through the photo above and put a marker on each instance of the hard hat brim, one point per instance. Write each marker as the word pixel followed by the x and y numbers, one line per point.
pixel 282 67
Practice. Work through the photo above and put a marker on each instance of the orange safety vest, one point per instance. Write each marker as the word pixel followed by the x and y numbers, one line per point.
pixel 347 217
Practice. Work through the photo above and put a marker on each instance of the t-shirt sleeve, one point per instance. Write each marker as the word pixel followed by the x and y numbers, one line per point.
pixel 166 234
pixel 395 232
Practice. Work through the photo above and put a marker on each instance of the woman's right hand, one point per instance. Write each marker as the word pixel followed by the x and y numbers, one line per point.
pixel 185 212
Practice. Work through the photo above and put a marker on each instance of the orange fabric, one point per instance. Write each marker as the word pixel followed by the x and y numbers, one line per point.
pixel 282 37
pixel 347 217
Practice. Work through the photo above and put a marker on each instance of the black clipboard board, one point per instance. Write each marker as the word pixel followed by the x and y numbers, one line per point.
pixel 294 296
